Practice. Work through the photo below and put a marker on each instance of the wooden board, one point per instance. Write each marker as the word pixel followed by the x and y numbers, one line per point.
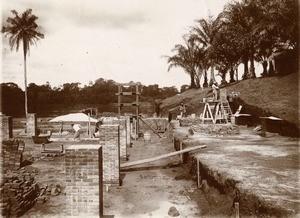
pixel 161 156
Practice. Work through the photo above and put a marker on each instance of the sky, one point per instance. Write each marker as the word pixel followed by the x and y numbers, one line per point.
pixel 112 39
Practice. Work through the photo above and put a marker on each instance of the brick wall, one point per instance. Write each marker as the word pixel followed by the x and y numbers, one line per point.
pixel 109 139
pixel 5 127
pixel 31 124
pixel 122 134
pixel 84 187
pixel 12 153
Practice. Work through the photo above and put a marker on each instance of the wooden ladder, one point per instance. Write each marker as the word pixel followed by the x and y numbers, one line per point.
pixel 226 111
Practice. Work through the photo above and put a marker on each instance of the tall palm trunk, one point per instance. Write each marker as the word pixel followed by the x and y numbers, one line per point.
pixel 212 75
pixel 205 84
pixel 231 72
pixel 245 62
pixel 25 78
pixel 252 68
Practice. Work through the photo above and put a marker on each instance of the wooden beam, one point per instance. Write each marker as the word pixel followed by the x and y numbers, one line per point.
pixel 161 156
pixel 150 127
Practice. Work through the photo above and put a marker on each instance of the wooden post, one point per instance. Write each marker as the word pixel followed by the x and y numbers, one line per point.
pixel 89 127
pixel 181 156
pixel 198 173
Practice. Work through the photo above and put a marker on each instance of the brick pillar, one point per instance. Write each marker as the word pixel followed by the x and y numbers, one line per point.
pixel 31 124
pixel 122 136
pixel 128 141
pixel 109 139
pixel 84 185
pixel 5 127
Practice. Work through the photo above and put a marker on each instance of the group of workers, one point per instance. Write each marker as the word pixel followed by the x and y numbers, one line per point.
pixel 182 108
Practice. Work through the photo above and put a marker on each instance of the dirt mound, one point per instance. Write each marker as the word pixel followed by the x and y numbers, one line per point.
pixel 272 96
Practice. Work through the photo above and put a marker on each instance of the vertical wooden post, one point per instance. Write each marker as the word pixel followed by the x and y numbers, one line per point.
pixel 119 100
pixel 137 109
pixel 198 173
pixel 181 155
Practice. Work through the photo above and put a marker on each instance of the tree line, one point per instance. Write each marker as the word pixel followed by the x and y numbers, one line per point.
pixel 244 32
pixel 69 95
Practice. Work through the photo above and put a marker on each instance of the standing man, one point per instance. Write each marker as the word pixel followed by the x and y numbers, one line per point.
pixel 215 89
pixel 182 109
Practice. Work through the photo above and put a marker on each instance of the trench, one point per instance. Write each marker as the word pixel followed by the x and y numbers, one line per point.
pixel 222 189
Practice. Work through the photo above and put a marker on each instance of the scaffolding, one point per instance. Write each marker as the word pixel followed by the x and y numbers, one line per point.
pixel 135 92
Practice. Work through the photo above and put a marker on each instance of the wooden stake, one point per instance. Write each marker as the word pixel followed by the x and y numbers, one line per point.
pixel 198 173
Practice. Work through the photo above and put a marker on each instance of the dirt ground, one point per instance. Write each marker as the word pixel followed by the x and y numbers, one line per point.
pixel 147 190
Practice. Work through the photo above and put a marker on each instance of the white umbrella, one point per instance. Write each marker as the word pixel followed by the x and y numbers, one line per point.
pixel 74 117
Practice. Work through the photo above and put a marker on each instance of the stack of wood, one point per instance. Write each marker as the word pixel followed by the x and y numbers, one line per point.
pixel 19 192
pixel 12 153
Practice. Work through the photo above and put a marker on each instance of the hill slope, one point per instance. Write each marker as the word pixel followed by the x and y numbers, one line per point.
pixel 272 96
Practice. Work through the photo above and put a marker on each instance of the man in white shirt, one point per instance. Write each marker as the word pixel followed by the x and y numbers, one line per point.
pixel 76 128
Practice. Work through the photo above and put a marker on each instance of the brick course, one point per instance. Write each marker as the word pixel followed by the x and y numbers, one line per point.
pixel 84 186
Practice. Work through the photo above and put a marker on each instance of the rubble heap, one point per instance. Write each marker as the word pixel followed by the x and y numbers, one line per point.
pixel 215 129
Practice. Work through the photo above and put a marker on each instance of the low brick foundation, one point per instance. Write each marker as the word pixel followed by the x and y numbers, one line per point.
pixel 84 188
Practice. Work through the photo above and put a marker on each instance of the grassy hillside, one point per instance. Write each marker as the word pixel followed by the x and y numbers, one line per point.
pixel 276 96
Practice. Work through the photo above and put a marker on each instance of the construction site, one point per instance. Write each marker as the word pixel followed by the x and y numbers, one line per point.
pixel 210 164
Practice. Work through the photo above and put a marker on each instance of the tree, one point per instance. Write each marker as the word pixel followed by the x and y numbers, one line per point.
pixel 183 58
pixel 22 29
pixel 205 31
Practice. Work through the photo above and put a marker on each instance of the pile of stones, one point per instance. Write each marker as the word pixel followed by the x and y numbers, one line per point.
pixel 215 129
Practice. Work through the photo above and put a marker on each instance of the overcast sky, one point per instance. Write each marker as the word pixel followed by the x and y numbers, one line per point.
pixel 122 40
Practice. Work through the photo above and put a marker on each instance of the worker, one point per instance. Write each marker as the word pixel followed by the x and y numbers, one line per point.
pixel 215 88
pixel 76 128
pixel 182 109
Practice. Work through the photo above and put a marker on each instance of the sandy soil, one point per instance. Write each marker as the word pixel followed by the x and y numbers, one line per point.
pixel 147 190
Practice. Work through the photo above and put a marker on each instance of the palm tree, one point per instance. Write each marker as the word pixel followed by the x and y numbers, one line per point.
pixel 205 31
pixel 22 29
pixel 185 57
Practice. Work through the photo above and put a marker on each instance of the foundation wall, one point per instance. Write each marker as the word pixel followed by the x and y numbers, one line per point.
pixel 109 139
pixel 5 127
pixel 84 186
